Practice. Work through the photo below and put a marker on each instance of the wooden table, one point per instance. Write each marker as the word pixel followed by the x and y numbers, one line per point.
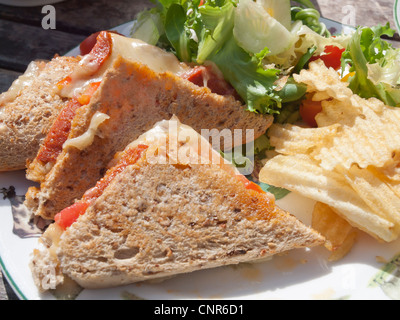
pixel 22 38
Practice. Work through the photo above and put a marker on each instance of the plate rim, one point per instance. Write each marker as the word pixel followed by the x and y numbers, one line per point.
pixel 17 290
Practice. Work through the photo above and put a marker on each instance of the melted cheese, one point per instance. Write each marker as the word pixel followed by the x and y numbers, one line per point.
pixel 130 49
pixel 22 82
pixel 51 239
pixel 86 139
pixel 155 58
pixel 171 142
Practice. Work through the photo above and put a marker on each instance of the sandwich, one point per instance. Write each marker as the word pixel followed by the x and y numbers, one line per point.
pixel 168 204
pixel 28 109
pixel 117 94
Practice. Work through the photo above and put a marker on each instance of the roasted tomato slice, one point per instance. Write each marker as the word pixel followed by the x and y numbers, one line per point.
pixel 309 110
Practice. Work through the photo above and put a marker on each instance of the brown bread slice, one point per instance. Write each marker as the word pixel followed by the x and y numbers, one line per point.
pixel 157 221
pixel 135 98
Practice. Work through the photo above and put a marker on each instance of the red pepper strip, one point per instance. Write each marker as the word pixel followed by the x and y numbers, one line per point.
pixel 195 76
pixel 214 82
pixel 85 98
pixel 68 216
pixel 64 82
pixel 61 127
pixel 102 49
pixel 98 54
pixel 59 132
pixel 130 156
pixel 331 58
pixel 87 45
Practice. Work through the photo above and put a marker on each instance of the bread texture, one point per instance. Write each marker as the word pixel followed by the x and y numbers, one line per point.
pixel 135 98
pixel 156 221
pixel 26 118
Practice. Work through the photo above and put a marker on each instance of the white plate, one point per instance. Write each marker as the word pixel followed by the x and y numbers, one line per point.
pixel 28 3
pixel 301 274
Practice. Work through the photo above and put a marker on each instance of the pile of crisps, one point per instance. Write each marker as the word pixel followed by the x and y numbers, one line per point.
pixel 350 163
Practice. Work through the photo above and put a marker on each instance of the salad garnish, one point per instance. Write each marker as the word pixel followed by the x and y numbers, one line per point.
pixel 374 65
pixel 259 44
pixel 256 44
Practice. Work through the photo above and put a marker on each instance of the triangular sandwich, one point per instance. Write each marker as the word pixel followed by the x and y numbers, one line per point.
pixel 168 204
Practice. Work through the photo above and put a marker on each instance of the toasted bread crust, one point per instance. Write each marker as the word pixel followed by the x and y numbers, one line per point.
pixel 135 98
pixel 160 220
pixel 25 121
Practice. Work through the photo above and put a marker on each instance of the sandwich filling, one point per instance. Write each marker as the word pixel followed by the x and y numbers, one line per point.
pixel 58 134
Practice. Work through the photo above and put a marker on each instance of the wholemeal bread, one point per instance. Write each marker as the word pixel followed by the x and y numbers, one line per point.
pixel 28 109
pixel 134 98
pixel 157 218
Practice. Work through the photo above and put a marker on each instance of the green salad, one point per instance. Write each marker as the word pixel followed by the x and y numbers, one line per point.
pixel 259 45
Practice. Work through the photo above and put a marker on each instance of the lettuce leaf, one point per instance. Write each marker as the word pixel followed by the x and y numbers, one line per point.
pixel 175 30
pixel 255 84
pixel 217 23
pixel 148 27
pixel 251 81
pixel 255 27
pixel 375 64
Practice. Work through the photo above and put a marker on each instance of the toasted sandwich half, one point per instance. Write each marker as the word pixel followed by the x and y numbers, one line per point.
pixel 168 204
pixel 124 101
pixel 28 109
